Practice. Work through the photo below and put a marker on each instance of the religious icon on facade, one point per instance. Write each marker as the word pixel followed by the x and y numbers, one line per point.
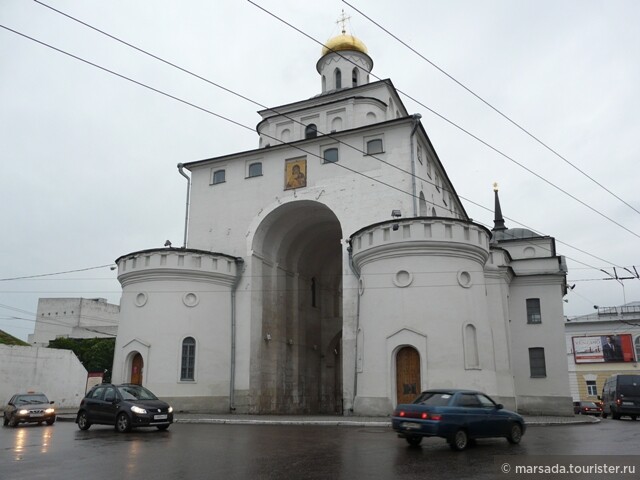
pixel 295 173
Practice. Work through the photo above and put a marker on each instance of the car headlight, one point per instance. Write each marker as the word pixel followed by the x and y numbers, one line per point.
pixel 138 410
pixel 24 411
pixel 170 410
pixel 50 410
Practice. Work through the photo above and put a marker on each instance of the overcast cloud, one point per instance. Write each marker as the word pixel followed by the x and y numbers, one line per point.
pixel 89 159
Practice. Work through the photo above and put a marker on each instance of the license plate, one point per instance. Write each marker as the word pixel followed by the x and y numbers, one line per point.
pixel 627 403
pixel 35 415
pixel 160 417
pixel 410 425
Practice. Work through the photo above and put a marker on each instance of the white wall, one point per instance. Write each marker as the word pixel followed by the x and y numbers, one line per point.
pixel 57 373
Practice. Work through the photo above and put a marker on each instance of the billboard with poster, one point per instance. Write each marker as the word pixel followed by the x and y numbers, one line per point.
pixel 603 348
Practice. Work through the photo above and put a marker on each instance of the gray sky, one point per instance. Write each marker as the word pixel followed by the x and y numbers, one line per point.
pixel 89 160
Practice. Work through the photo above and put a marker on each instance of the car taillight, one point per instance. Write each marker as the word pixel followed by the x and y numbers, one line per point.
pixel 402 414
pixel 618 401
pixel 435 416
pixel 587 408
pixel 424 416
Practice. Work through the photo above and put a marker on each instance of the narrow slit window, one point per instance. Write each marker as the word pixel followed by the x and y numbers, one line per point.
pixel 187 372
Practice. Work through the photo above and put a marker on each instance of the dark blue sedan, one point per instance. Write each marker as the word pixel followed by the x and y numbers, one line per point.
pixel 458 416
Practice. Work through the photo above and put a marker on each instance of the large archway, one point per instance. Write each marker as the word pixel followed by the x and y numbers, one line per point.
pixel 296 359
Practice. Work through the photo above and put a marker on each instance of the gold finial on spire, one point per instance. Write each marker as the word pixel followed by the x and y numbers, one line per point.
pixel 343 20
pixel 495 186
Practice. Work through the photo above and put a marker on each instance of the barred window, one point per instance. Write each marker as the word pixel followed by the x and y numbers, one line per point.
pixel 533 310
pixel 537 363
pixel 188 359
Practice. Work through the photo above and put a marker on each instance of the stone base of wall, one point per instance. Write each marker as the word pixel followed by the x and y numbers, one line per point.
pixel 556 406
pixel 372 407
pixel 198 404
pixel 509 403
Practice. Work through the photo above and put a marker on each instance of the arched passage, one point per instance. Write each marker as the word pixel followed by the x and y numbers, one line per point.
pixel 297 315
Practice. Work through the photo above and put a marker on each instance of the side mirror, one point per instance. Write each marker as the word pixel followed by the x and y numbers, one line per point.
pixel 499 406
pixel 51 402
pixel 599 397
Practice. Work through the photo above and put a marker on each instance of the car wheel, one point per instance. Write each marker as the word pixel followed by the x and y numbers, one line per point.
pixel 604 415
pixel 13 422
pixel 414 440
pixel 614 415
pixel 5 420
pixel 460 440
pixel 83 421
pixel 123 424
pixel 51 421
pixel 515 434
pixel 162 427
pixel 633 417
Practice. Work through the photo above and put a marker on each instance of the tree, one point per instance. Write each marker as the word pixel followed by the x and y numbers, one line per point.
pixel 95 354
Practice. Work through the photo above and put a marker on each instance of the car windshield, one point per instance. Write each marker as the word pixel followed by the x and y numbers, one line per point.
pixel 589 404
pixel 435 399
pixel 31 399
pixel 135 392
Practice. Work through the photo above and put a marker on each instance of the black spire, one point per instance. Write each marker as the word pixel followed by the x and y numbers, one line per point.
pixel 498 221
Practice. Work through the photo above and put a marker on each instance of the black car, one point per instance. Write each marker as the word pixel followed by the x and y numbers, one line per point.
pixel 123 406
pixel 458 416
pixel 30 407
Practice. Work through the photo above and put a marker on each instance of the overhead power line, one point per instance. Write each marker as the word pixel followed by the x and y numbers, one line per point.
pixel 329 135
pixel 111 265
pixel 452 123
pixel 377 180
pixel 503 115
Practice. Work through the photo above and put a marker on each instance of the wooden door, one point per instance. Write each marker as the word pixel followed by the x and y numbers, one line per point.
pixel 407 375
pixel 136 369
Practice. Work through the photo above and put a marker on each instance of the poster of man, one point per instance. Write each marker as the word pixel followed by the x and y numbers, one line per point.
pixel 603 348
pixel 611 349
pixel 295 173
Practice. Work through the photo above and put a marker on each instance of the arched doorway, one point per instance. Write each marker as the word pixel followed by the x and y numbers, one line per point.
pixel 137 365
pixel 297 285
pixel 407 375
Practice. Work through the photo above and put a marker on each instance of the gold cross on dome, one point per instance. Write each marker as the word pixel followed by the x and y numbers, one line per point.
pixel 343 20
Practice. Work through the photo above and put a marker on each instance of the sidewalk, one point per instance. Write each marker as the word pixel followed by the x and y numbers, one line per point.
pixel 69 415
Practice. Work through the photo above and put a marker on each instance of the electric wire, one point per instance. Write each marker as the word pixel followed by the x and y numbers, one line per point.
pixel 228 90
pixel 251 129
pixel 459 127
pixel 503 115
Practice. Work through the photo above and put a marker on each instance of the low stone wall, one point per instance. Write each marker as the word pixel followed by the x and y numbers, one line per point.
pixel 56 373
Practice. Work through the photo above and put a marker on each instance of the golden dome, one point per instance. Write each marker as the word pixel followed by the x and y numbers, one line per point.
pixel 343 42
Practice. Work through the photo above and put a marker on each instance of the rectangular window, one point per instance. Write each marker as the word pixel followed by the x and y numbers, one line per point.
pixel 437 182
pixel 374 146
pixel 218 177
pixel 592 388
pixel 537 364
pixel 255 169
pixel 533 310
pixel 419 153
pixel 330 155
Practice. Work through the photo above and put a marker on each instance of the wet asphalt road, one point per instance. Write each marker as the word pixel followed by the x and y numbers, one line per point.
pixel 197 451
